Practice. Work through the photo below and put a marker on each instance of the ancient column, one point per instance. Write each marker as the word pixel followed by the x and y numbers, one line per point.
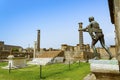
pixel 38 40
pixel 114 7
pixel 80 36
pixel 117 30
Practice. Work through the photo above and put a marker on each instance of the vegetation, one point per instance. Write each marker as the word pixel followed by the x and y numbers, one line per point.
pixel 49 72
pixel 15 50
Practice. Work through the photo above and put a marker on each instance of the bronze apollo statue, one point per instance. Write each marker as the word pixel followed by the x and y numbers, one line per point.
pixel 97 35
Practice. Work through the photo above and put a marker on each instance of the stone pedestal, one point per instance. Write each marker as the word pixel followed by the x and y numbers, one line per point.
pixel 105 69
pixel 104 66
pixel 13 62
pixel 10 61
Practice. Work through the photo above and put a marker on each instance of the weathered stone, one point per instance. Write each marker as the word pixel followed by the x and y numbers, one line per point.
pixel 114 7
pixel 90 77
pixel 104 66
pixel 104 69
pixel 40 61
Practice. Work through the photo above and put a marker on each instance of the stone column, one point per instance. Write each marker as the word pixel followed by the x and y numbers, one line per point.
pixel 38 40
pixel 116 8
pixel 80 35
pixel 118 36
pixel 115 12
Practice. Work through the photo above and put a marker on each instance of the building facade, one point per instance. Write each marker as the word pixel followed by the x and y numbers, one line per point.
pixel 4 47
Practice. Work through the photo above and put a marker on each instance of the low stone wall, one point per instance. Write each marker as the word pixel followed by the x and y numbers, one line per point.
pixel 41 61
pixel 58 60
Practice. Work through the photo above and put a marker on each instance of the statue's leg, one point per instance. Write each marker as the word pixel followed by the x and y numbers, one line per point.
pixel 93 47
pixel 105 47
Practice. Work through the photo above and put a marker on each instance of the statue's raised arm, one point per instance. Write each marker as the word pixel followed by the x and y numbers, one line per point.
pixel 96 35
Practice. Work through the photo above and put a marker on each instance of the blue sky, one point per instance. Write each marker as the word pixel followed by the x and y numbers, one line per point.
pixel 57 19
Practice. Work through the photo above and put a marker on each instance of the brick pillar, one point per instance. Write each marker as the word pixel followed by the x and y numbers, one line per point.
pixel 80 36
pixel 38 40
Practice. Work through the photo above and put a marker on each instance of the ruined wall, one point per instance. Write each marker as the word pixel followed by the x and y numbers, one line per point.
pixel 104 54
pixel 73 53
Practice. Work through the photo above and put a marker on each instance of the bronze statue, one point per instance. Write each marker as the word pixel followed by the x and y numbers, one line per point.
pixel 97 35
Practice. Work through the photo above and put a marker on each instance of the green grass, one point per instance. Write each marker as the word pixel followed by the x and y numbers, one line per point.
pixel 49 72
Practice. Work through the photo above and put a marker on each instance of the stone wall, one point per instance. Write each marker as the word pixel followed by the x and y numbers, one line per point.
pixel 76 52
pixel 104 54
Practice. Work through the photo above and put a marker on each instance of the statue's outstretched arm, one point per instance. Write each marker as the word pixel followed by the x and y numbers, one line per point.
pixel 83 29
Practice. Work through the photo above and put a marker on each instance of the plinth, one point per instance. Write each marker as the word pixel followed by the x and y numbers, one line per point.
pixel 104 69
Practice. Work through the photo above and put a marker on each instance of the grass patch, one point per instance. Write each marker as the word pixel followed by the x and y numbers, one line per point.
pixel 49 72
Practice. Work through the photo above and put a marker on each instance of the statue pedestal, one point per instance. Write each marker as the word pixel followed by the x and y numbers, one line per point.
pixel 104 66
pixel 14 63
pixel 104 70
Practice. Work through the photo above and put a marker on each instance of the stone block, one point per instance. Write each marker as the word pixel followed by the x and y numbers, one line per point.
pixel 40 61
pixel 104 66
